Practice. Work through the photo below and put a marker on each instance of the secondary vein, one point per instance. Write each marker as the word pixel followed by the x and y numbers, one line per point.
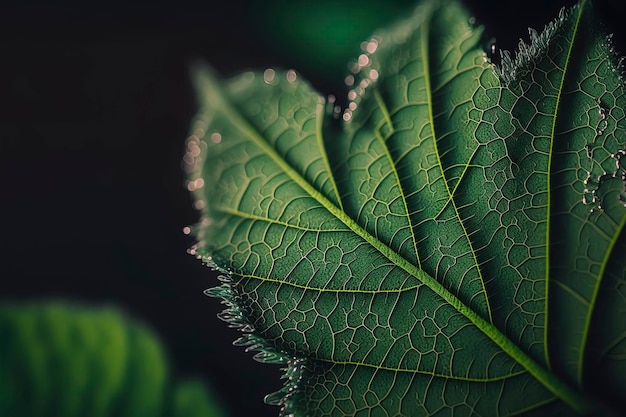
pixel 319 125
pixel 594 297
pixel 379 136
pixel 429 98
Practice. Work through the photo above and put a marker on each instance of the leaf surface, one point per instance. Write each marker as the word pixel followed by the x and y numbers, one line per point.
pixel 444 249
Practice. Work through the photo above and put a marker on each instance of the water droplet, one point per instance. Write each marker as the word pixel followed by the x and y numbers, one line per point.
pixel 602 127
pixel 188 159
pixel 372 45
pixel 589 193
pixel 216 137
pixel 620 161
pixel 492 55
pixel 268 75
pixel 199 132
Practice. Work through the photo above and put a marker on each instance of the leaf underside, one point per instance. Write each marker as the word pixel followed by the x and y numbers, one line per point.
pixel 451 246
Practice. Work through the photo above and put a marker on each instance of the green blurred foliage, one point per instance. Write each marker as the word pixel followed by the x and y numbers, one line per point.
pixel 191 400
pixel 65 360
pixel 322 37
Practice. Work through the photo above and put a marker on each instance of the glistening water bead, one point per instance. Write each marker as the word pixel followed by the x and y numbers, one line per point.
pixel 268 75
pixel 592 184
pixel 363 66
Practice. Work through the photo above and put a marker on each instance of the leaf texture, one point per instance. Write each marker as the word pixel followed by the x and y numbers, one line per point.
pixel 450 247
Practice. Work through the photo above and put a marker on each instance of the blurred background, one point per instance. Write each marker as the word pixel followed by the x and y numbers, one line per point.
pixel 95 105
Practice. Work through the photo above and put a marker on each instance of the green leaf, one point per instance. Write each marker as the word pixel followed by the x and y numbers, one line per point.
pixel 192 399
pixel 63 360
pixel 451 246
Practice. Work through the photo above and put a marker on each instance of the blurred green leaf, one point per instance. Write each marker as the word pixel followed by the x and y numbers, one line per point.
pixel 61 359
pixel 191 400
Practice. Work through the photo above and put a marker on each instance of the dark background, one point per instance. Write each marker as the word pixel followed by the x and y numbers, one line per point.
pixel 95 105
